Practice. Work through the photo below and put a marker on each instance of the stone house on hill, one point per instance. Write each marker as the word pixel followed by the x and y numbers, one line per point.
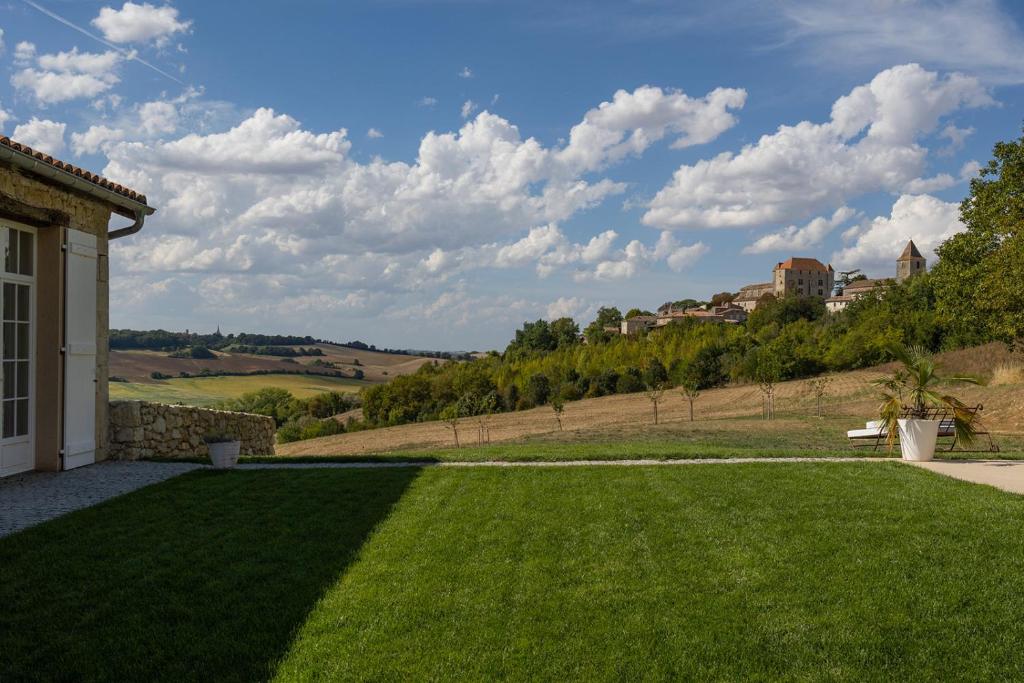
pixel 749 295
pixel 55 230
pixel 802 277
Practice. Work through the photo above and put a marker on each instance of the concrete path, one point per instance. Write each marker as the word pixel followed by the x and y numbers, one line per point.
pixel 545 463
pixel 1007 475
pixel 34 497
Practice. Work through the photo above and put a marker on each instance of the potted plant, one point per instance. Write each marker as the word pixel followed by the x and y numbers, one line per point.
pixel 223 449
pixel 911 398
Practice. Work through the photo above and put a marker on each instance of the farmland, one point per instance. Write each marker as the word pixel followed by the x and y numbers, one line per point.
pixel 301 378
pixel 206 391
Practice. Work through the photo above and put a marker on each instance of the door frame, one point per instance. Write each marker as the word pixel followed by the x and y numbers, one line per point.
pixel 28 440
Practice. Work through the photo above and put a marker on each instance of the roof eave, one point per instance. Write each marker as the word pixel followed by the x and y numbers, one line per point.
pixel 28 162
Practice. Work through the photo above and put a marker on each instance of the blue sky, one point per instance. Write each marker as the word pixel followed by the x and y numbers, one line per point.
pixel 431 174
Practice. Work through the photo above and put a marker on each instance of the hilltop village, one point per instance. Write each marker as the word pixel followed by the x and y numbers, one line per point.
pixel 796 276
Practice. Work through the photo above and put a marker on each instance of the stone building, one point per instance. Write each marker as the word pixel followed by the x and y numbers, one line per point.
pixel 750 294
pixel 802 277
pixel 795 276
pixel 55 227
pixel 910 262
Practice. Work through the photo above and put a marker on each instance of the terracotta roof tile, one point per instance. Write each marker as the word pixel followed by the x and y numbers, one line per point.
pixel 74 170
pixel 798 263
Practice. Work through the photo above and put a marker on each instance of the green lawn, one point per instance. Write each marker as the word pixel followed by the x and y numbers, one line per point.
pixel 765 572
pixel 205 391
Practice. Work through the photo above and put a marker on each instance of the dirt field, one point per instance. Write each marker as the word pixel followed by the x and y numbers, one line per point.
pixel 851 400
pixel 137 366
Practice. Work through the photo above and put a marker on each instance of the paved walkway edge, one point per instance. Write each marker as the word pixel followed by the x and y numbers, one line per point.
pixel 545 463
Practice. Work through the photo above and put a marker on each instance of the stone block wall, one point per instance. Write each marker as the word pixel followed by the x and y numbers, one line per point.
pixel 156 430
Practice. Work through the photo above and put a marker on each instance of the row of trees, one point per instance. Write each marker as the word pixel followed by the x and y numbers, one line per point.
pixel 296 418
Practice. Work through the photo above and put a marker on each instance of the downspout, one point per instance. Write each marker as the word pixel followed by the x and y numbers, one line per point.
pixel 140 218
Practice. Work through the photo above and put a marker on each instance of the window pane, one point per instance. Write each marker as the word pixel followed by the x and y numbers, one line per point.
pixel 23 379
pixel 8 419
pixel 10 379
pixel 24 303
pixel 25 253
pixel 9 340
pixel 10 250
pixel 10 300
pixel 21 425
pixel 22 341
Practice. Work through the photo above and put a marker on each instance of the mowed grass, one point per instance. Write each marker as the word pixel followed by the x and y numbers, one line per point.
pixel 205 391
pixel 838 571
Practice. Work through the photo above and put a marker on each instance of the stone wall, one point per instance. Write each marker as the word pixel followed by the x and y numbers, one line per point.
pixel 156 430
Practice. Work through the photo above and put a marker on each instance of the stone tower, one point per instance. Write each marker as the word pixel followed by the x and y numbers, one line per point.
pixel 909 263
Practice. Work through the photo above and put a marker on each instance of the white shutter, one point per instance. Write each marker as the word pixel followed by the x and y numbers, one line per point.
pixel 80 350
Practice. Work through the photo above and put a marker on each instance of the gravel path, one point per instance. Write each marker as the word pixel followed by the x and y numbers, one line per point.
pixel 34 497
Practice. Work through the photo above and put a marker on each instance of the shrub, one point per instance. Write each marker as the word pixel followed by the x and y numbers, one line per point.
pixel 308 427
pixel 569 392
pixel 628 383
pixel 156 374
pixel 194 352
pixel 538 389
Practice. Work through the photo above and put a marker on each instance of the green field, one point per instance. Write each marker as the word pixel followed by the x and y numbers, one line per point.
pixel 837 571
pixel 205 391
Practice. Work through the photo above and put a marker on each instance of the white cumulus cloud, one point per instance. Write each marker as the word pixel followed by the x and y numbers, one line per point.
pixel 801 237
pixel 94 139
pixel 42 135
pixel 633 121
pixel 868 144
pixel 876 244
pixel 568 307
pixel 140 23
pixel 65 76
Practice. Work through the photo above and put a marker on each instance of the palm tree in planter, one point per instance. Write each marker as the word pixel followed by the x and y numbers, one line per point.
pixel 911 396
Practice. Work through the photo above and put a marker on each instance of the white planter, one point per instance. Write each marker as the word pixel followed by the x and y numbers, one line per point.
pixel 224 455
pixel 917 439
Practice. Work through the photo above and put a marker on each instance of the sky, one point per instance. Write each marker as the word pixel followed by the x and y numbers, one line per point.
pixel 431 174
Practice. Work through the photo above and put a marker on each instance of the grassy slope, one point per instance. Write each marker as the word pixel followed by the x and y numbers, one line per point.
pixel 723 416
pixel 838 571
pixel 203 391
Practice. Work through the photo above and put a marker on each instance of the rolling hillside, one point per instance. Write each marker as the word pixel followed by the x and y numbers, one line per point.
pixel 137 367
pixel 730 413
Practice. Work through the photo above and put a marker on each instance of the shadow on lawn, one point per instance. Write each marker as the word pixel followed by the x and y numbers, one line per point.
pixel 207 576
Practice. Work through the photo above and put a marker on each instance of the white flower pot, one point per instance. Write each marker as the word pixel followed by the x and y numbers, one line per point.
pixel 917 439
pixel 224 455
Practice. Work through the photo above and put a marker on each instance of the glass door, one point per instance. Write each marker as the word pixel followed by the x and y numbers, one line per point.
pixel 17 304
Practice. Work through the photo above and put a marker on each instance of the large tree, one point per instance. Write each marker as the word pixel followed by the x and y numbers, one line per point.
pixel 978 279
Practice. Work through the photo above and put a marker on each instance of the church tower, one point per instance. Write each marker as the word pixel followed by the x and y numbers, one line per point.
pixel 909 263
